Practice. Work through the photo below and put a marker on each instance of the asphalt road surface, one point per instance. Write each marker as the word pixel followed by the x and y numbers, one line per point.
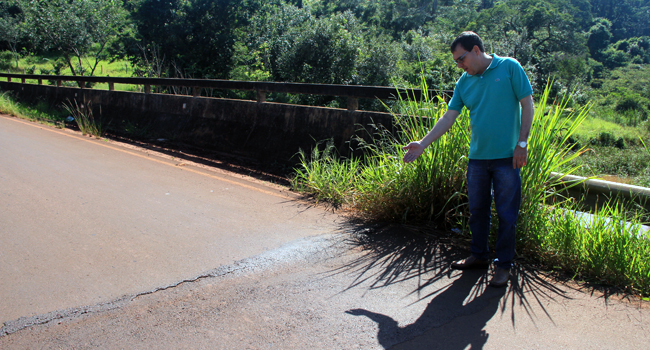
pixel 104 246
pixel 85 221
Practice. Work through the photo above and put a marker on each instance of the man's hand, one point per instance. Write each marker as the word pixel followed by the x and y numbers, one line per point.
pixel 413 151
pixel 520 158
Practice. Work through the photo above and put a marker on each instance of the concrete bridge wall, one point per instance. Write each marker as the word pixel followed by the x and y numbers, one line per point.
pixel 269 132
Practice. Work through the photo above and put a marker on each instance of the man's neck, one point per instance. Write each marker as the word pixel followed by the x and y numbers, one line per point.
pixel 485 60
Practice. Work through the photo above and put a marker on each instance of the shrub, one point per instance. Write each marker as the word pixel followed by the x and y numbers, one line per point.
pixel 613 58
pixel 6 58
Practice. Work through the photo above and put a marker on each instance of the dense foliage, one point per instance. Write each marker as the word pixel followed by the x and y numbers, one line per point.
pixel 584 45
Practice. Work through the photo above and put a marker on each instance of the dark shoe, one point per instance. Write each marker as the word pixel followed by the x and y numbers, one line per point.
pixel 500 278
pixel 470 263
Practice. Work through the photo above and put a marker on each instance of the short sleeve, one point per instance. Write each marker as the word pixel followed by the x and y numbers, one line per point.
pixel 456 102
pixel 520 83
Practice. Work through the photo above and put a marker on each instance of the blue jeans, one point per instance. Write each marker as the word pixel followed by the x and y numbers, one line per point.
pixel 485 179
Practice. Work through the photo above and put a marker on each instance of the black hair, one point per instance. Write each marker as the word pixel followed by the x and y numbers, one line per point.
pixel 467 40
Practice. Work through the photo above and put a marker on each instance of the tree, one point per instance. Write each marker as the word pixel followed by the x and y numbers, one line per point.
pixel 394 17
pixel 75 29
pixel 196 36
pixel 537 33
pixel 629 18
pixel 599 37
pixel 12 26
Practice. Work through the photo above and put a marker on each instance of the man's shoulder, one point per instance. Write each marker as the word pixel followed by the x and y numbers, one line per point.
pixel 506 61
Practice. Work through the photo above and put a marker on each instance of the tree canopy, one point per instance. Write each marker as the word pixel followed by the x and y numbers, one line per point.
pixel 371 42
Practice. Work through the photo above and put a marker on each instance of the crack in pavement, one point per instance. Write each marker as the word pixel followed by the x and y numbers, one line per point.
pixel 303 248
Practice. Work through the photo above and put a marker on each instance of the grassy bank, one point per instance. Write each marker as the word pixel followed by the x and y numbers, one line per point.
pixel 41 112
pixel 432 189
pixel 615 151
pixel 44 113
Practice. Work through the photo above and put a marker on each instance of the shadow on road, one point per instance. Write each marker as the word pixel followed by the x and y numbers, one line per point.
pixel 397 253
pixel 213 159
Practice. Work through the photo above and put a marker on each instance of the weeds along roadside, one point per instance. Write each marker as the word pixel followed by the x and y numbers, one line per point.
pixel 44 113
pixel 84 117
pixel 40 112
pixel 609 249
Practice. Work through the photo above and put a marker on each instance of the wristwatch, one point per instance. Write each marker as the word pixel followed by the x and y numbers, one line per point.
pixel 522 144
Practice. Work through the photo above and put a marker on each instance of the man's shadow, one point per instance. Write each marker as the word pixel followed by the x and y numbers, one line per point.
pixel 466 295
pixel 398 253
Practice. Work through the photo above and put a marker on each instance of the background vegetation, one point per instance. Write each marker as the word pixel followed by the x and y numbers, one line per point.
pixel 597 50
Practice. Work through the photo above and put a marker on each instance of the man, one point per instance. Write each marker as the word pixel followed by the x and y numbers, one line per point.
pixel 498 95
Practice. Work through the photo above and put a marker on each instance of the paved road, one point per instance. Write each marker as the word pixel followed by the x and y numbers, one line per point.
pixel 111 248
pixel 85 221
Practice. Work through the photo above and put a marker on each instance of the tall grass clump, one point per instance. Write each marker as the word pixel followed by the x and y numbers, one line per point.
pixel 83 116
pixel 549 151
pixel 326 176
pixel 381 186
pixel 609 246
pixel 8 105
pixel 433 187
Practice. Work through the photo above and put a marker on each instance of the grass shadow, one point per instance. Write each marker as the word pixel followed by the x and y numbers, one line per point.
pixel 394 254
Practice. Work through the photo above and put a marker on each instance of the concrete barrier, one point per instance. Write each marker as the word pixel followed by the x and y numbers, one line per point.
pixel 268 132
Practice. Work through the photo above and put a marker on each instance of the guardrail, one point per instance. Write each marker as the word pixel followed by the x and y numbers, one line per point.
pixel 352 92
pixel 595 188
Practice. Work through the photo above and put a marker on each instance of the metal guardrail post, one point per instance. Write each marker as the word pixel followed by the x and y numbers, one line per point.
pixel 353 104
pixel 261 96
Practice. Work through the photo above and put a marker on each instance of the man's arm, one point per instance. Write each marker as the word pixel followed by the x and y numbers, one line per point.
pixel 415 149
pixel 527 112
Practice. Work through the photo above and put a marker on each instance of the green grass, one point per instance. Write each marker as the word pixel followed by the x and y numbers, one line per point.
pixel 326 177
pixel 44 113
pixel 83 116
pixel 630 165
pixel 614 151
pixel 593 127
pixel 41 112
pixel 383 187
pixel 608 248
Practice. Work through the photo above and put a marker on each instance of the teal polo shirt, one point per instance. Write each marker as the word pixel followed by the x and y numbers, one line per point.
pixel 492 99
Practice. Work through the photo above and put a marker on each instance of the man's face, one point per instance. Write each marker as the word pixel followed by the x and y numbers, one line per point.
pixel 466 60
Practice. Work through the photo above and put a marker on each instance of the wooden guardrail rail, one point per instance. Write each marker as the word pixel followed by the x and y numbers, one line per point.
pixel 352 92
